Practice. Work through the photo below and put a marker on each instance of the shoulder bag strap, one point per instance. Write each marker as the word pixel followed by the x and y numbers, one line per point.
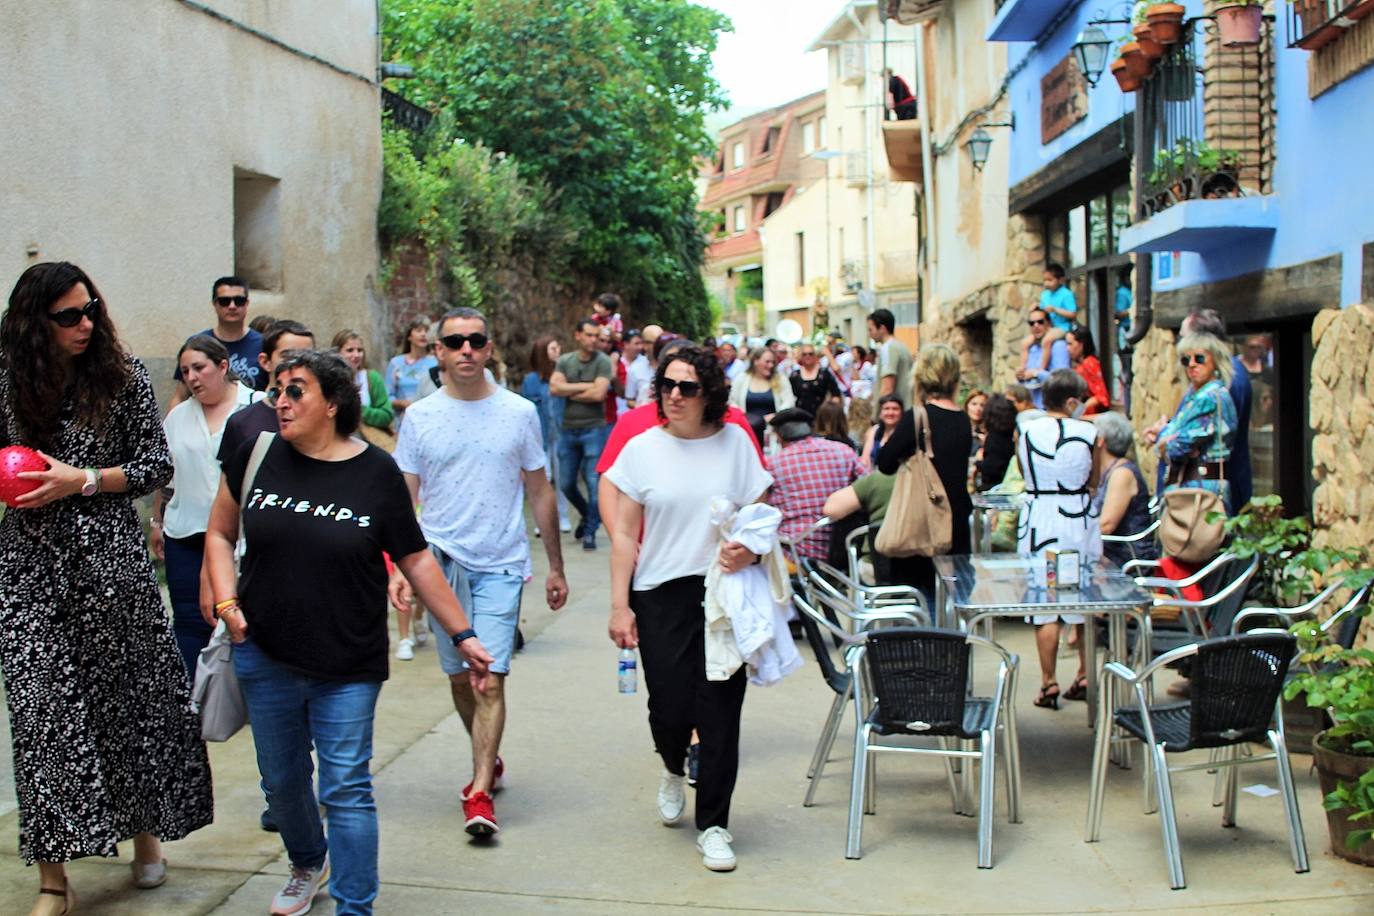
pixel 250 473
pixel 923 431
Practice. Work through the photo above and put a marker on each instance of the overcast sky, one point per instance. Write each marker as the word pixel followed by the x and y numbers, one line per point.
pixel 764 61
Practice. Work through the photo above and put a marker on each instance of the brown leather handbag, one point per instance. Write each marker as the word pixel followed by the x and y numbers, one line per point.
pixel 1192 524
pixel 918 520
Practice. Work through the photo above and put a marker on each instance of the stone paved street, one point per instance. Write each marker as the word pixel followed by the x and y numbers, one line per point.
pixel 580 833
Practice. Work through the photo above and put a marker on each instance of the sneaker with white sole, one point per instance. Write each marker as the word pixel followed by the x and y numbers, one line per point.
pixel 672 798
pixel 498 780
pixel 298 895
pixel 405 650
pixel 421 635
pixel 714 846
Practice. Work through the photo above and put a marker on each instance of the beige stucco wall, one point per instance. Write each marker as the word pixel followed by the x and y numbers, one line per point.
pixel 125 123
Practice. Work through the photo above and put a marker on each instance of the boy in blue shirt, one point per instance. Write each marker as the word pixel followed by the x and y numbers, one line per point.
pixel 1058 302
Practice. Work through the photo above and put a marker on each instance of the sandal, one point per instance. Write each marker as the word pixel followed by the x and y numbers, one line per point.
pixel 1079 690
pixel 46 906
pixel 1048 700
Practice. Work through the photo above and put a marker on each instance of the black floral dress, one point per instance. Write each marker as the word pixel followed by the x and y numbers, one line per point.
pixel 106 742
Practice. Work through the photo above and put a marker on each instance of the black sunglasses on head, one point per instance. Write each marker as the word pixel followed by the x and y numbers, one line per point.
pixel 225 301
pixel 70 318
pixel 687 388
pixel 294 392
pixel 456 341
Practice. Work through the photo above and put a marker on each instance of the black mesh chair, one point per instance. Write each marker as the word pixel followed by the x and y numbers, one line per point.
pixel 1224 583
pixel 920 687
pixel 832 623
pixel 1237 684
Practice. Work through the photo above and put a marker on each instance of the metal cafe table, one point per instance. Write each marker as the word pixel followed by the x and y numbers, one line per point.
pixel 973 589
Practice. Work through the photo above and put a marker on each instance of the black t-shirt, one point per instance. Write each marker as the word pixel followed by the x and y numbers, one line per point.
pixel 811 394
pixel 313 583
pixel 244 426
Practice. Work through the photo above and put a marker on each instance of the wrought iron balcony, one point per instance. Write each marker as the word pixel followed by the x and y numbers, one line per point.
pixel 1315 23
pixel 405 113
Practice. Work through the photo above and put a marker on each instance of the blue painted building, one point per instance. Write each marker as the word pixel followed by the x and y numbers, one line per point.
pixel 1249 194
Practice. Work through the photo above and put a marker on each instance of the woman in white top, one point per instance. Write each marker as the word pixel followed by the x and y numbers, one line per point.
pixel 1056 456
pixel 761 391
pixel 193 430
pixel 667 478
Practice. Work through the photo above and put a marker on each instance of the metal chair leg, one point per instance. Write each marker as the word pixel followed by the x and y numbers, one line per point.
pixel 954 794
pixel 818 755
pixel 1297 842
pixel 856 793
pixel 823 749
pixel 1219 783
pixel 1231 775
pixel 987 767
pixel 871 785
pixel 1148 771
pixel 1167 819
pixel 1098 784
pixel 1013 752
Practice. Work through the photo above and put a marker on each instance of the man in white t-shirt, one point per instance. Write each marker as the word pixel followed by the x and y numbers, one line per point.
pixel 471 453
pixel 639 372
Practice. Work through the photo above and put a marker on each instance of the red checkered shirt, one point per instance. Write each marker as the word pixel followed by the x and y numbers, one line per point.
pixel 805 473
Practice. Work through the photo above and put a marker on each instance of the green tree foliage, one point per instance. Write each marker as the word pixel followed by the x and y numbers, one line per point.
pixel 605 101
pixel 476 214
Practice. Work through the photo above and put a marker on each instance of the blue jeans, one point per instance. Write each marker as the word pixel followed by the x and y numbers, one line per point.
pixel 184 556
pixel 288 712
pixel 578 452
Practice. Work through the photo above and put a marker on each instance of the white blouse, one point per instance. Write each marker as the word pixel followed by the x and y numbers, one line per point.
pixel 196 471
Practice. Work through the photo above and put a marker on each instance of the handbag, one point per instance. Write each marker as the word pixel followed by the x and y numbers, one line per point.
pixel 216 692
pixel 918 521
pixel 1192 525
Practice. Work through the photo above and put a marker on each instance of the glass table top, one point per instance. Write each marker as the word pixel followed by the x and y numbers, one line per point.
pixel 986 582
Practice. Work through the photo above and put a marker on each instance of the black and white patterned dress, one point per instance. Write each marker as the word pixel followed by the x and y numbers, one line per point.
pixel 106 742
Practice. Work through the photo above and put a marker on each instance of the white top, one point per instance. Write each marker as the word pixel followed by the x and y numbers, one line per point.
pixel 675 480
pixel 196 471
pixel 469 456
pixel 639 377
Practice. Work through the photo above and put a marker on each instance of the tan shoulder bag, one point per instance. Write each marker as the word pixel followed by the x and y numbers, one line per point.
pixel 918 520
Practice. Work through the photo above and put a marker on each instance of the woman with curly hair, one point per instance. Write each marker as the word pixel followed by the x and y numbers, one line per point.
pixel 667 479
pixel 106 743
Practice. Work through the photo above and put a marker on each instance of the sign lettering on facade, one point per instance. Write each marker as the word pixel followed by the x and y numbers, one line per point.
pixel 1063 99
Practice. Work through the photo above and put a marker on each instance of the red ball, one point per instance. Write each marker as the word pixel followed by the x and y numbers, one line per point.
pixel 13 459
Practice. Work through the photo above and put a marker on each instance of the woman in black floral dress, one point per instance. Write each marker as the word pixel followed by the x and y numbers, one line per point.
pixel 106 743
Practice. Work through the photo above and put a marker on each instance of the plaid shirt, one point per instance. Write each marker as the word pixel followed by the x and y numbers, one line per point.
pixel 805 473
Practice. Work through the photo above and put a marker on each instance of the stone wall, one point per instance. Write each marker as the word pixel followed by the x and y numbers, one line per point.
pixel 1342 416
pixel 1156 388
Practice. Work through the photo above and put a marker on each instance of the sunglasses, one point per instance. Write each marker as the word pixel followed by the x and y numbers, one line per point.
pixel 294 392
pixel 70 318
pixel 688 389
pixel 456 341
pixel 1036 322
pixel 1196 359
pixel 225 301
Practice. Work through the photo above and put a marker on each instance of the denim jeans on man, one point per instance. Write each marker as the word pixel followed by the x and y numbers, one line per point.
pixel 289 712
pixel 578 452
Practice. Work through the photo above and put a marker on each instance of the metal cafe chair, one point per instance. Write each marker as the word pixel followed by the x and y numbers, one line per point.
pixel 855 548
pixel 821 610
pixel 1237 685
pixel 920 687
pixel 1224 582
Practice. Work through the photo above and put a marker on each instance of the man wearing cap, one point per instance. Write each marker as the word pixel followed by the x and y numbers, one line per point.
pixel 805 472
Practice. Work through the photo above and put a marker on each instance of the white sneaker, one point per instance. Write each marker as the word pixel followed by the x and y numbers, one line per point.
pixel 405 650
pixel 714 846
pixel 672 798
pixel 421 635
pixel 298 895
pixel 565 526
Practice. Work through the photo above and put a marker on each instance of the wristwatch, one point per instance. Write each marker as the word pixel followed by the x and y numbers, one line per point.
pixel 461 635
pixel 92 484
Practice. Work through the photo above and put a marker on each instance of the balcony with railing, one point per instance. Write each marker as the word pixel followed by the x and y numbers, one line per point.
pixel 1314 24
pixel 1207 165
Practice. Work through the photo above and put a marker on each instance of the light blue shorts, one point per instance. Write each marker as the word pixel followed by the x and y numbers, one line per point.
pixel 492 603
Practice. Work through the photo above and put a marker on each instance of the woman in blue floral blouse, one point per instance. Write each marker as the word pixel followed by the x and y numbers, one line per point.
pixel 1196 443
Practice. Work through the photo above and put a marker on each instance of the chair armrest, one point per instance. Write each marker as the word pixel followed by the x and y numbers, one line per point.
pixel 1139 564
pixel 1132 538
pixel 1117 669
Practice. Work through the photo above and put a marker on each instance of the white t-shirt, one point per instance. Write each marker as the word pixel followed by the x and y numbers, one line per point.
pixel 675 480
pixel 639 376
pixel 468 456
pixel 195 474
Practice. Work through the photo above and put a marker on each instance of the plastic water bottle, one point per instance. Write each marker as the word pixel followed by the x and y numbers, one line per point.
pixel 627 671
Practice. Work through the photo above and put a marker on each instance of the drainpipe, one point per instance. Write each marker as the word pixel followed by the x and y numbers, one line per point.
pixel 1144 263
pixel 927 167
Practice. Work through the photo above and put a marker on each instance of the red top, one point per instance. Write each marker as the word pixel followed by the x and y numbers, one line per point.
pixel 644 418
pixel 1091 371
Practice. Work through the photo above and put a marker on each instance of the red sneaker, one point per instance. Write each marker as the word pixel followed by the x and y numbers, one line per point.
pixel 481 816
pixel 497 781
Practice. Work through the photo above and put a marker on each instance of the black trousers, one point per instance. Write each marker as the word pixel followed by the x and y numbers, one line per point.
pixel 672 627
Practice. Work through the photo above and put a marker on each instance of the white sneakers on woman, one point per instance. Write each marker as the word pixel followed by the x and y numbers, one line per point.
pixel 672 798
pixel 405 650
pixel 714 846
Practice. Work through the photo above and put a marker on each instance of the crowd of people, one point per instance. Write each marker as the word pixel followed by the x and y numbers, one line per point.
pixel 299 495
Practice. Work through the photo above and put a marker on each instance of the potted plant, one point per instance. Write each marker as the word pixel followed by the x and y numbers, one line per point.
pixel 1340 681
pixel 1239 24
pixel 1127 80
pixel 1144 36
pixel 1136 62
pixel 1166 21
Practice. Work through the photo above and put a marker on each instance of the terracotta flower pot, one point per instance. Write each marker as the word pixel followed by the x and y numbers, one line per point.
pixel 1144 36
pixel 1136 62
pixel 1239 26
pixel 1333 767
pixel 1166 21
pixel 1127 80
